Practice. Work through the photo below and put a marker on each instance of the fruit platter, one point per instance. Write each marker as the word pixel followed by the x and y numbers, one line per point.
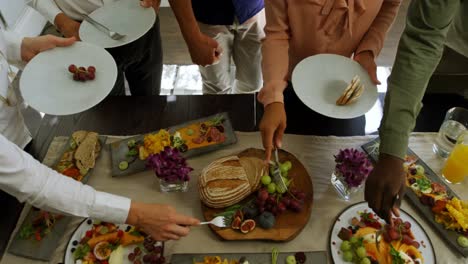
pixel 97 242
pixel 191 139
pixel 359 236
pixel 241 189
pixel 41 230
pixel 434 199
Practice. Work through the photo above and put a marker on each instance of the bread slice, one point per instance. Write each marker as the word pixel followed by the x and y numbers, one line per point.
pixel 357 93
pixel 348 92
pixel 79 136
pixel 85 155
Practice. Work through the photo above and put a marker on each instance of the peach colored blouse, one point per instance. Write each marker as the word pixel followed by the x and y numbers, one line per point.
pixel 296 29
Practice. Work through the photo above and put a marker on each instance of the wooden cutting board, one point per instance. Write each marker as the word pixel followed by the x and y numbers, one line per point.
pixel 289 224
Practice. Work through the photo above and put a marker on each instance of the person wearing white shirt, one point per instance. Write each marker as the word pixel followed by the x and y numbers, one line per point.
pixel 139 62
pixel 28 180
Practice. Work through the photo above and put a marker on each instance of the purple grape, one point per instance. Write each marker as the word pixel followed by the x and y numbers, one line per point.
pixel 149 247
pixel 157 249
pixel 147 258
pixel 131 256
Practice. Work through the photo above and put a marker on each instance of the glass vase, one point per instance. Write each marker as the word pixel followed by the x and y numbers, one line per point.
pixel 341 187
pixel 173 186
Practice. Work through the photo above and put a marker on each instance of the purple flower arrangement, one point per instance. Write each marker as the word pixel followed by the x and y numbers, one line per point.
pixel 353 165
pixel 169 165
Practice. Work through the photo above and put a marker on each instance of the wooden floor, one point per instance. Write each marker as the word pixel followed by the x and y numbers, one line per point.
pixel 176 52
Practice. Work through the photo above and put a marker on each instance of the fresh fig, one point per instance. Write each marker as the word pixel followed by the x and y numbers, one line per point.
pixel 266 220
pixel 247 226
pixel 239 214
pixel 236 223
pixel 250 212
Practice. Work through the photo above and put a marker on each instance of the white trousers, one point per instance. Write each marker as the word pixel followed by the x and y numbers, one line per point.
pixel 241 44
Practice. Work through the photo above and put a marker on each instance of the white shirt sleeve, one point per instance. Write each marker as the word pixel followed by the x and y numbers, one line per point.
pixel 48 8
pixel 13 47
pixel 28 180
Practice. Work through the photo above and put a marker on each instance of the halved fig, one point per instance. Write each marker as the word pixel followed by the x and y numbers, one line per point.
pixel 236 223
pixel 247 226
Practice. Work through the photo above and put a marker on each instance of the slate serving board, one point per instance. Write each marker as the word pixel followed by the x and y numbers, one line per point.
pixel 44 249
pixel 372 149
pixel 119 149
pixel 253 258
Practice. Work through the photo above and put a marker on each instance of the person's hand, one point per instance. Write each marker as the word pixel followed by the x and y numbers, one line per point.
pixel 204 50
pixel 151 3
pixel 67 26
pixel 386 183
pixel 30 47
pixel 161 222
pixel 272 127
pixel 366 59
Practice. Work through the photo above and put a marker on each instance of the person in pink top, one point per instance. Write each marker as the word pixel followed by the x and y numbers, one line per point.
pixel 296 29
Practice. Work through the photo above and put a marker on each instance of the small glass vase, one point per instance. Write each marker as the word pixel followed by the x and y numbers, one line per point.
pixel 173 186
pixel 341 187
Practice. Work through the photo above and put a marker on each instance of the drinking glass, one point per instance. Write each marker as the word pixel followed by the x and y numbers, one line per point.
pixel 456 167
pixel 455 122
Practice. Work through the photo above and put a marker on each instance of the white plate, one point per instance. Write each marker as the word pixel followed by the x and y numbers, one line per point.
pixel 80 232
pixel 343 220
pixel 125 17
pixel 48 86
pixel 321 79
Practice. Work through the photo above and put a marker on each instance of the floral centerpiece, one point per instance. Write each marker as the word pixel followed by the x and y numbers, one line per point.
pixel 171 169
pixel 351 171
pixel 161 151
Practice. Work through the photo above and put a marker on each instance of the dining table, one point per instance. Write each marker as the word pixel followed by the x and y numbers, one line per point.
pixel 120 117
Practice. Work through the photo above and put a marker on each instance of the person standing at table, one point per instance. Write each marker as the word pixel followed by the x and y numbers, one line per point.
pixel 218 33
pixel 28 180
pixel 139 62
pixel 296 29
pixel 430 25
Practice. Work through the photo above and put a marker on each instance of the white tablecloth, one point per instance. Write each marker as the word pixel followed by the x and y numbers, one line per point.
pixel 316 153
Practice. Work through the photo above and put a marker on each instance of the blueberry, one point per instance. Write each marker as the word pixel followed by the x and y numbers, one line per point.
pixel 89 221
pixel 128 228
pixel 75 243
pixel 72 250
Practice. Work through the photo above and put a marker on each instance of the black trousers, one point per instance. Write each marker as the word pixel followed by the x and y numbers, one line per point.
pixel 304 121
pixel 140 63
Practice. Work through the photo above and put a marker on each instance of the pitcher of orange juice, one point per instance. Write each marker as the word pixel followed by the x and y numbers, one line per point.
pixel 456 166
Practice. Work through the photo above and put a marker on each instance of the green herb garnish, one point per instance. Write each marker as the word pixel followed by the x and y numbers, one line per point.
pixel 26 232
pixel 396 257
pixel 132 152
pixel 217 120
pixel 423 184
pixel 81 251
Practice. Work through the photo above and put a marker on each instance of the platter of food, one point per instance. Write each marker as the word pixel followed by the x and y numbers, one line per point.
pixel 252 258
pixel 240 188
pixel 99 242
pixel 191 139
pixel 359 236
pixel 334 86
pixel 434 199
pixel 68 80
pixel 41 230
pixel 125 17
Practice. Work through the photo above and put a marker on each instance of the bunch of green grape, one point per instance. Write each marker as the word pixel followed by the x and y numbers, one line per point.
pixel 270 185
pixel 354 251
